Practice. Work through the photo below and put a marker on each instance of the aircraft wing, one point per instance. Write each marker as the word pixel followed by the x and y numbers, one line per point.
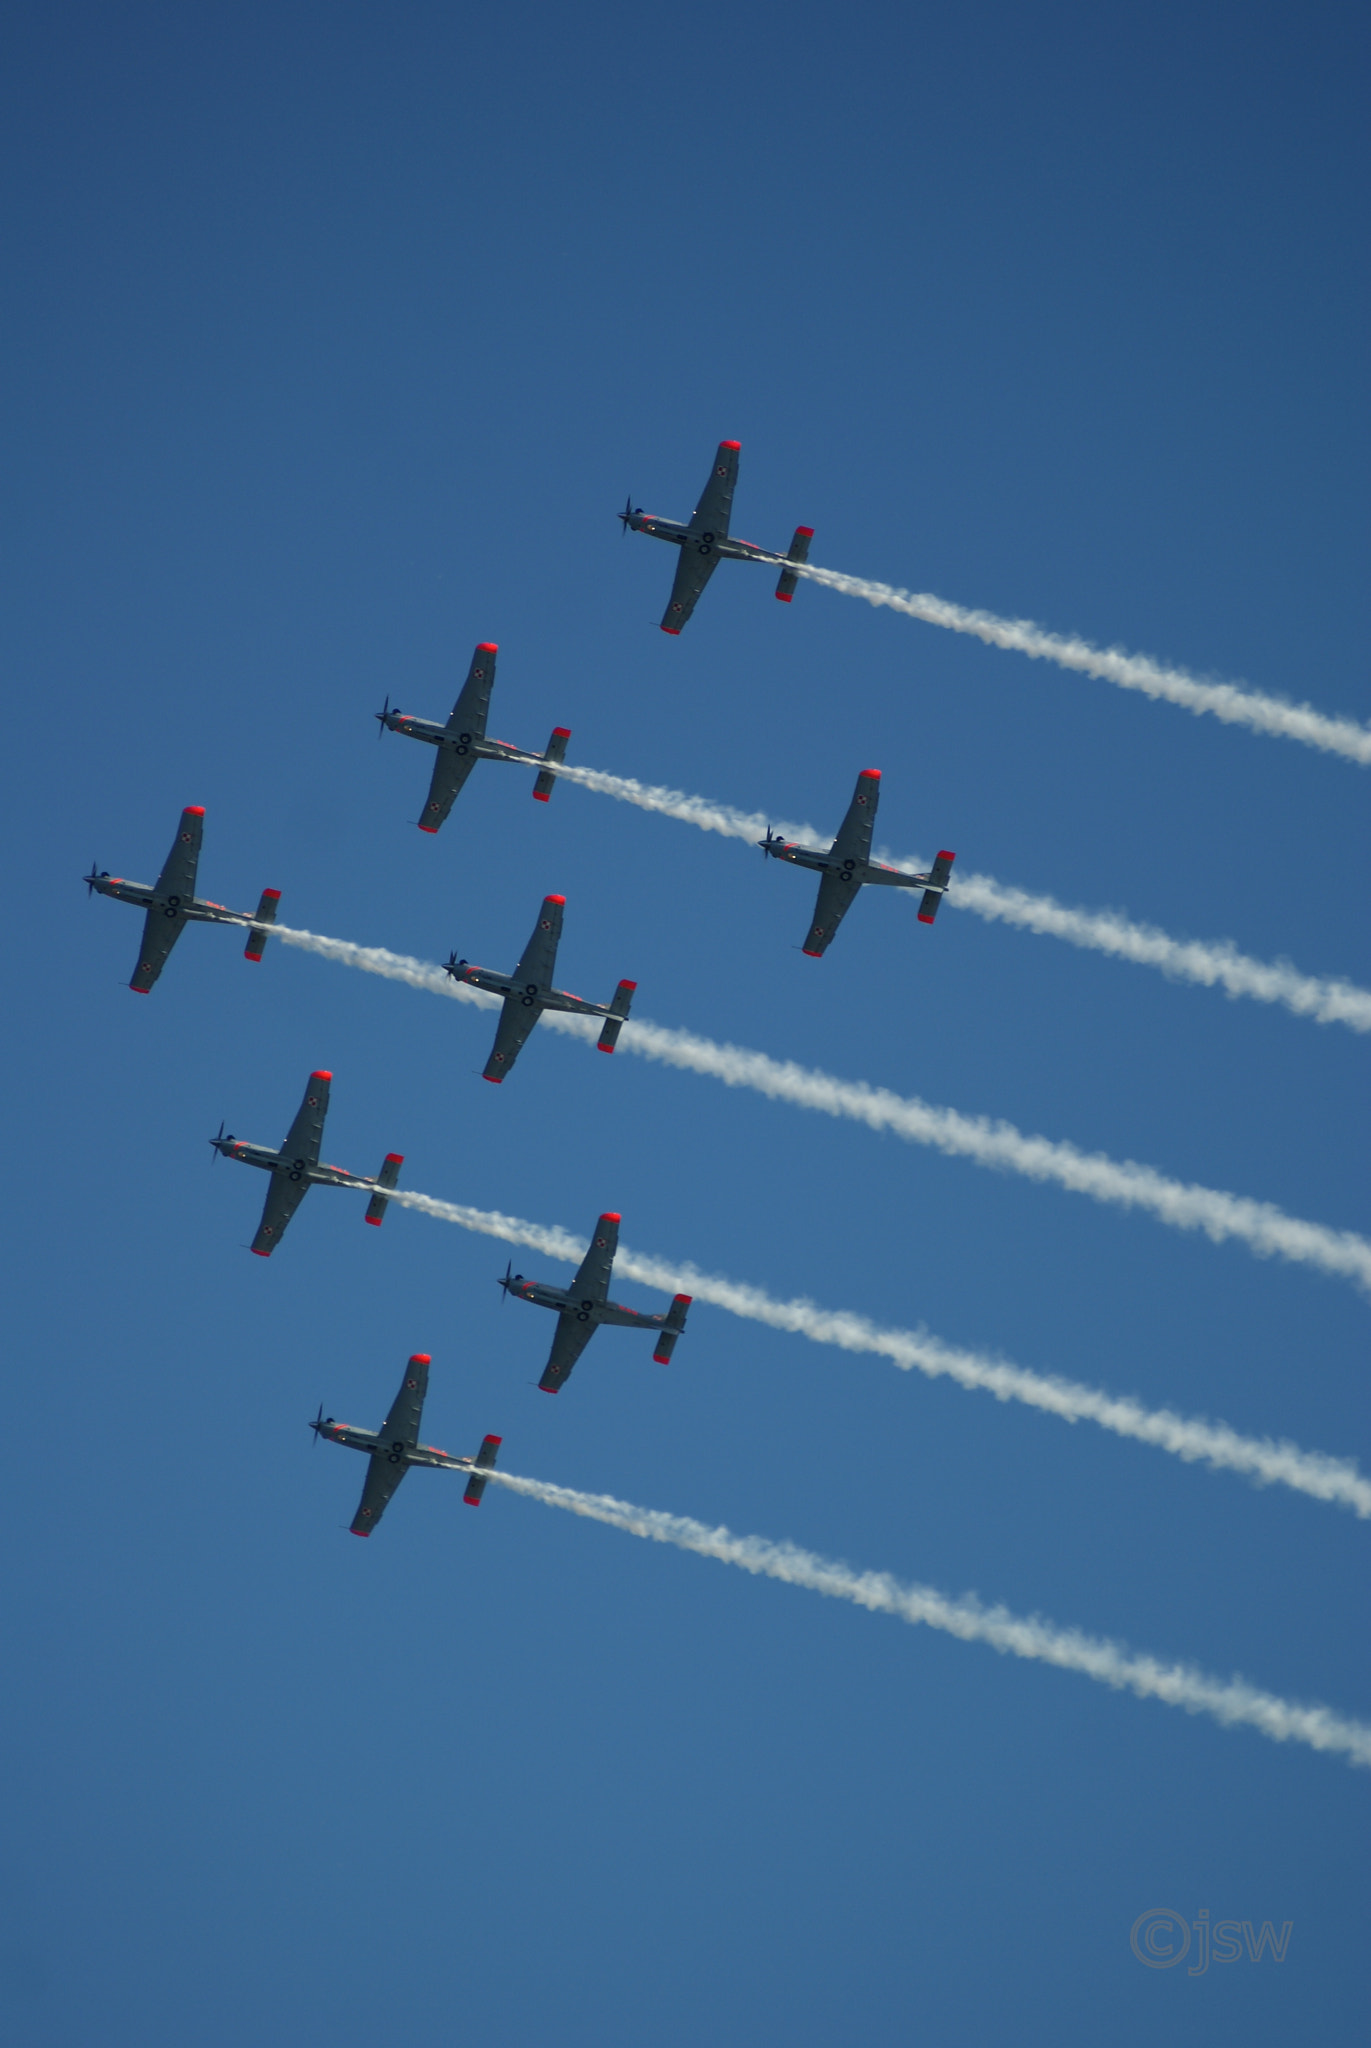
pixel 450 772
pixel 836 894
pixel 382 1480
pixel 406 1410
pixel 854 834
pixel 570 1341
pixel 693 571
pixel 176 883
pixel 284 1197
pixel 539 958
pixel 472 708
pixel 591 1283
pixel 306 1134
pixel 517 1020
pixel 160 934
pixel 715 508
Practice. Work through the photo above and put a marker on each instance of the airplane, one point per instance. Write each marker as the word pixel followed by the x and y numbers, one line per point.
pixel 395 1446
pixel 584 1305
pixel 705 540
pixel 529 991
pixel 171 902
pixel 295 1168
pixel 462 742
pixel 848 864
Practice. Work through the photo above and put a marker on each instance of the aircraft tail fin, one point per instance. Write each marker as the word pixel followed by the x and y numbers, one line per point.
pixel 556 751
pixel 266 915
pixel 618 1010
pixel 798 551
pixel 477 1483
pixel 940 875
pixel 386 1178
pixel 672 1328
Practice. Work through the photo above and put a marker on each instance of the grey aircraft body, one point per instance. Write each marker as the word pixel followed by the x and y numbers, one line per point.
pixel 705 541
pixel 395 1446
pixel 583 1306
pixel 171 903
pixel 296 1167
pixel 462 742
pixel 529 991
pixel 848 864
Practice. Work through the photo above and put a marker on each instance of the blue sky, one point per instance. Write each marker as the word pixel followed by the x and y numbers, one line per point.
pixel 336 337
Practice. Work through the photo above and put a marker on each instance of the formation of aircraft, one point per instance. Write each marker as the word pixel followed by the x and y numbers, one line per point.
pixel 171 903
pixel 462 742
pixel 529 991
pixel 705 541
pixel 847 865
pixel 296 1167
pixel 395 1446
pixel 583 1306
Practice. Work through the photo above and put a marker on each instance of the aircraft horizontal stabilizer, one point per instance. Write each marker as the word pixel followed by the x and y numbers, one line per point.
pixel 675 1323
pixel 486 1457
pixel 556 751
pixel 618 1011
pixel 266 915
pixel 386 1178
pixel 798 551
pixel 940 874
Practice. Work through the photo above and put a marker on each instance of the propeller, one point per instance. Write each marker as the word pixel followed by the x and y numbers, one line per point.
pixel 453 966
pixel 771 845
pixel 318 1422
pixel 219 1142
pixel 626 516
pixel 90 880
pixel 510 1281
pixel 383 716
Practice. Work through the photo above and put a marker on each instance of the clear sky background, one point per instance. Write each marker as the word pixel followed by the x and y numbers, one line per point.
pixel 335 338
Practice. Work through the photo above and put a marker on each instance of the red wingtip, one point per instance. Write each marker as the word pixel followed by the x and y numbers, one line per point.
pixel 496 1078
pixel 945 855
pixel 321 1074
pixel 488 647
pixel 195 810
pixel 428 828
pixel 611 1216
pixel 359 1532
pixel 395 1159
pixel 421 1358
pixel 258 1254
pixel 674 631
pixel 275 894
pixel 140 991
pixel 556 899
pixel 730 444
pixel 873 773
pixel 807 531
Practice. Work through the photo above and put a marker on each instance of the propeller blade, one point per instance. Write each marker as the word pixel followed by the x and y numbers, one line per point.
pixel 218 1140
pixel 626 516
pixel 506 1282
pixel 318 1422
pixel 382 716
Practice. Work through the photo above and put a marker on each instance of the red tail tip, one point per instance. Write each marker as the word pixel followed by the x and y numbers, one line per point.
pixel 275 894
pixel 542 796
pixel 945 855
pixel 684 1300
pixel 395 1159
pixel 925 917
pixel 807 531
pixel 561 732
pixel 628 984
pixel 784 596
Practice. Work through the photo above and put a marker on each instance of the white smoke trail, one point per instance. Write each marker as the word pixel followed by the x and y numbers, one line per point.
pixel 1234 1703
pixel 1235 705
pixel 1212 963
pixel 1310 1472
pixel 1184 1205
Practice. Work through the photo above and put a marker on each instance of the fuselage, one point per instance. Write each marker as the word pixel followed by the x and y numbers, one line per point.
pixel 145 896
pixel 273 1161
pixel 728 545
pixel 584 1309
pixel 854 870
pixel 533 995
pixel 435 735
pixel 397 1452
